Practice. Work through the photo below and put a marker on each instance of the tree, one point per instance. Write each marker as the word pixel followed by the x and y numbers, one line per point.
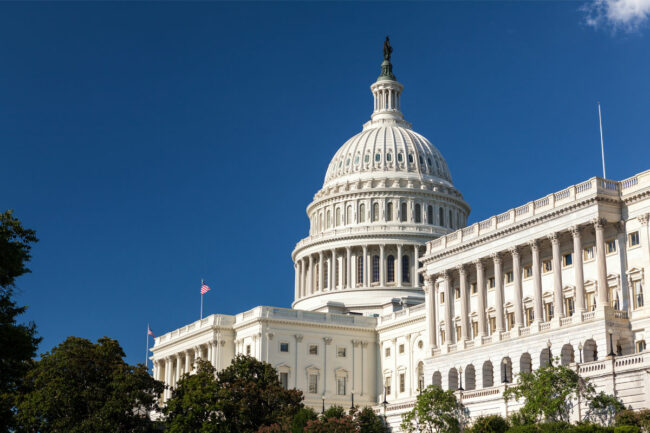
pixel 603 409
pixel 334 411
pixel 244 397
pixel 301 418
pixel 18 342
pixel 368 421
pixel 80 387
pixel 435 411
pixel 489 424
pixel 548 393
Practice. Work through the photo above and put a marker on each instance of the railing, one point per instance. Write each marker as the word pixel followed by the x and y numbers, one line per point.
pixel 588 315
pixel 452 348
pixel 503 217
pixel 566 321
pixel 545 326
pixel 619 314
pixel 524 331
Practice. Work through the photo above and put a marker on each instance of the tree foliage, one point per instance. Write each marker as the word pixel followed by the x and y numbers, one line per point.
pixel 242 398
pixel 489 424
pixel 83 387
pixel 548 393
pixel 18 342
pixel 435 411
pixel 603 409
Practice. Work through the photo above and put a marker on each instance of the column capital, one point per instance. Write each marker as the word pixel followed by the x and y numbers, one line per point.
pixel 496 257
pixel 553 237
pixel 479 264
pixel 348 249
pixel 327 340
pixel 575 231
pixel 643 219
pixel 514 251
pixel 270 335
pixel 461 270
pixel 298 337
pixel 599 223
pixel 356 343
pixel 534 245
pixel 364 344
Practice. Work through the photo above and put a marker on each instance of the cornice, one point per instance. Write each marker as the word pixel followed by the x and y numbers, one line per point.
pixel 303 324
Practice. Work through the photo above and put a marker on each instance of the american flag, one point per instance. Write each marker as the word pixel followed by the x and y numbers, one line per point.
pixel 150 332
pixel 204 288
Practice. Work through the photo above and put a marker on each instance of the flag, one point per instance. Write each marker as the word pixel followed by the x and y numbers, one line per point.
pixel 150 332
pixel 204 288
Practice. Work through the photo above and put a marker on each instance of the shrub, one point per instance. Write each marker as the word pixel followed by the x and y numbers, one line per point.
pixel 489 424
pixel 627 429
pixel 527 428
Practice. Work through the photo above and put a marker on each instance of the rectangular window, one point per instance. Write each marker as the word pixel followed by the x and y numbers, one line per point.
pixel 458 333
pixel 567 260
pixel 313 384
pixel 341 352
pixel 402 382
pixel 442 297
pixel 401 348
pixel 493 325
pixel 474 329
pixel 387 383
pixel 591 301
pixel 340 385
pixel 530 316
pixel 548 311
pixel 284 347
pixel 588 253
pixel 637 288
pixel 284 380
pixel 569 306
pixel 509 277
pixel 610 246
pixel 474 288
pixel 248 349
pixel 457 292
pixel 313 349
pixel 640 346
pixel 387 352
pixel 442 336
pixel 491 283
pixel 528 271
pixel 547 266
pixel 511 320
pixel 634 239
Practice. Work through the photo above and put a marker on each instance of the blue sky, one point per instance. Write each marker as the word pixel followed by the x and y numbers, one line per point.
pixel 154 144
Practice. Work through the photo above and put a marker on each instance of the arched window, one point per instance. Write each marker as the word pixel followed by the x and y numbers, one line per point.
pixel 436 379
pixel 326 269
pixel 406 270
pixel 375 269
pixel 375 212
pixel 403 212
pixel 430 214
pixel 453 379
pixel 470 377
pixel 590 351
pixel 420 376
pixel 418 213
pixel 441 217
pixel 525 363
pixel 359 269
pixel 348 215
pixel 451 220
pixel 545 357
pixel 488 374
pixel 329 218
pixel 320 222
pixel 566 355
pixel 338 216
pixel 390 265
pixel 362 213
pixel 389 211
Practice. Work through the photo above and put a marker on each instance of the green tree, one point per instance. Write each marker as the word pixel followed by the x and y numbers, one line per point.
pixel 18 342
pixel 489 424
pixel 244 397
pixel 334 411
pixel 368 421
pixel 435 411
pixel 83 387
pixel 603 409
pixel 344 424
pixel 548 393
pixel 300 419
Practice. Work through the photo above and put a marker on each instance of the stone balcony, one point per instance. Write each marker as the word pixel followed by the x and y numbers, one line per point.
pixel 298 316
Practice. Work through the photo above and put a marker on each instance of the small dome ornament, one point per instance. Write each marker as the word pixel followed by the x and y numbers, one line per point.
pixel 386 65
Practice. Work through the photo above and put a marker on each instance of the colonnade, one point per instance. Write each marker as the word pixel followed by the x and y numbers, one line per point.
pixel 366 266
pixel 441 282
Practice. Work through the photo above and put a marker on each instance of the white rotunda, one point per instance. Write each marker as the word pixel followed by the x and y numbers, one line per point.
pixel 387 191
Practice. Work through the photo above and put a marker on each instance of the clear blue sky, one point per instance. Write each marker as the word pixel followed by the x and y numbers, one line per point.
pixel 154 144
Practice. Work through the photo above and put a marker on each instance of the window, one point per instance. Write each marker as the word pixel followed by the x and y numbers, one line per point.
pixel 492 322
pixel 640 346
pixel 637 288
pixel 528 271
pixel 389 211
pixel 451 220
pixel 473 288
pixel 341 352
pixel 567 260
pixel 389 157
pixel 610 246
pixel 400 157
pixel 442 336
pixel 387 382
pixel 441 216
pixel 284 380
pixel 359 269
pixel 548 311
pixel 356 160
pixel 375 269
pixel 338 216
pixel 366 158
pixel 588 253
pixel 410 158
pixel 509 276
pixel 375 212
pixel 390 267
pixel 442 297
pixel 387 352
pixel 491 283
pixel 401 348
pixel 569 306
pixel 402 212
pixel 510 320
pixel 430 214
pixel 377 157
pixel 284 347
pixel 362 213
pixel 591 301
pixel 402 382
pixel 420 344
pixel 406 270
pixel 614 299
pixel 340 385
pixel 547 266
pixel 348 215
pixel 418 213
pixel 313 384
pixel 313 349
pixel 457 292
pixel 474 329
pixel 326 274
pixel 458 333
pixel 634 239
pixel 248 349
pixel 530 316
pixel 329 218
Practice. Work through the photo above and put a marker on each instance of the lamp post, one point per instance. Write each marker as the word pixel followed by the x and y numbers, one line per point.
pixel 610 331
pixel 505 371
pixel 460 372
pixel 323 398
pixel 385 403
pixel 352 393
pixel 550 356
pixel 580 350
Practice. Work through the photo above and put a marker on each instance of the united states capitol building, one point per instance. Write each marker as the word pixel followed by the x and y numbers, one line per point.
pixel 394 291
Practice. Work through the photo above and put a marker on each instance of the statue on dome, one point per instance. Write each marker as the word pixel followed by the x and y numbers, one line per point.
pixel 387 49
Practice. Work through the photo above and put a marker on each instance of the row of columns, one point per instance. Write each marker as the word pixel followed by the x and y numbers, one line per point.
pixel 308 283
pixel 496 260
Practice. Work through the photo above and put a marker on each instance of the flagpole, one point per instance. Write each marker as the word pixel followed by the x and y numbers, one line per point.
pixel 146 352
pixel 201 317
pixel 602 146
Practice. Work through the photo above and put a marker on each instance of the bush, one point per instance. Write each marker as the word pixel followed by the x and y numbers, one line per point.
pixel 528 428
pixel 640 419
pixel 591 428
pixel 334 412
pixel 300 419
pixel 627 429
pixel 489 424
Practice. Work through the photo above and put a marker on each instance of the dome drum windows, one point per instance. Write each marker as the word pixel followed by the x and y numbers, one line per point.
pixel 389 211
pixel 403 212
pixel 362 213
pixel 418 213
pixel 375 212
pixel 390 268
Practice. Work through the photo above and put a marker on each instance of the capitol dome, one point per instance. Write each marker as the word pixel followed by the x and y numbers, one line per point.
pixel 387 191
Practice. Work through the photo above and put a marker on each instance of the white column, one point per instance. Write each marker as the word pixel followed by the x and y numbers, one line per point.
pixel 558 301
pixel 382 266
pixel 348 268
pixel 516 273
pixel 310 275
pixel 398 281
pixel 464 317
pixel 429 301
pixel 498 289
pixel 321 272
pixel 480 287
pixel 332 271
pixel 578 268
pixel 409 369
pixel 601 264
pixel 296 281
pixel 416 265
pixel 168 377
pixel 538 311
pixel 303 276
pixel 448 302
pixel 177 370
